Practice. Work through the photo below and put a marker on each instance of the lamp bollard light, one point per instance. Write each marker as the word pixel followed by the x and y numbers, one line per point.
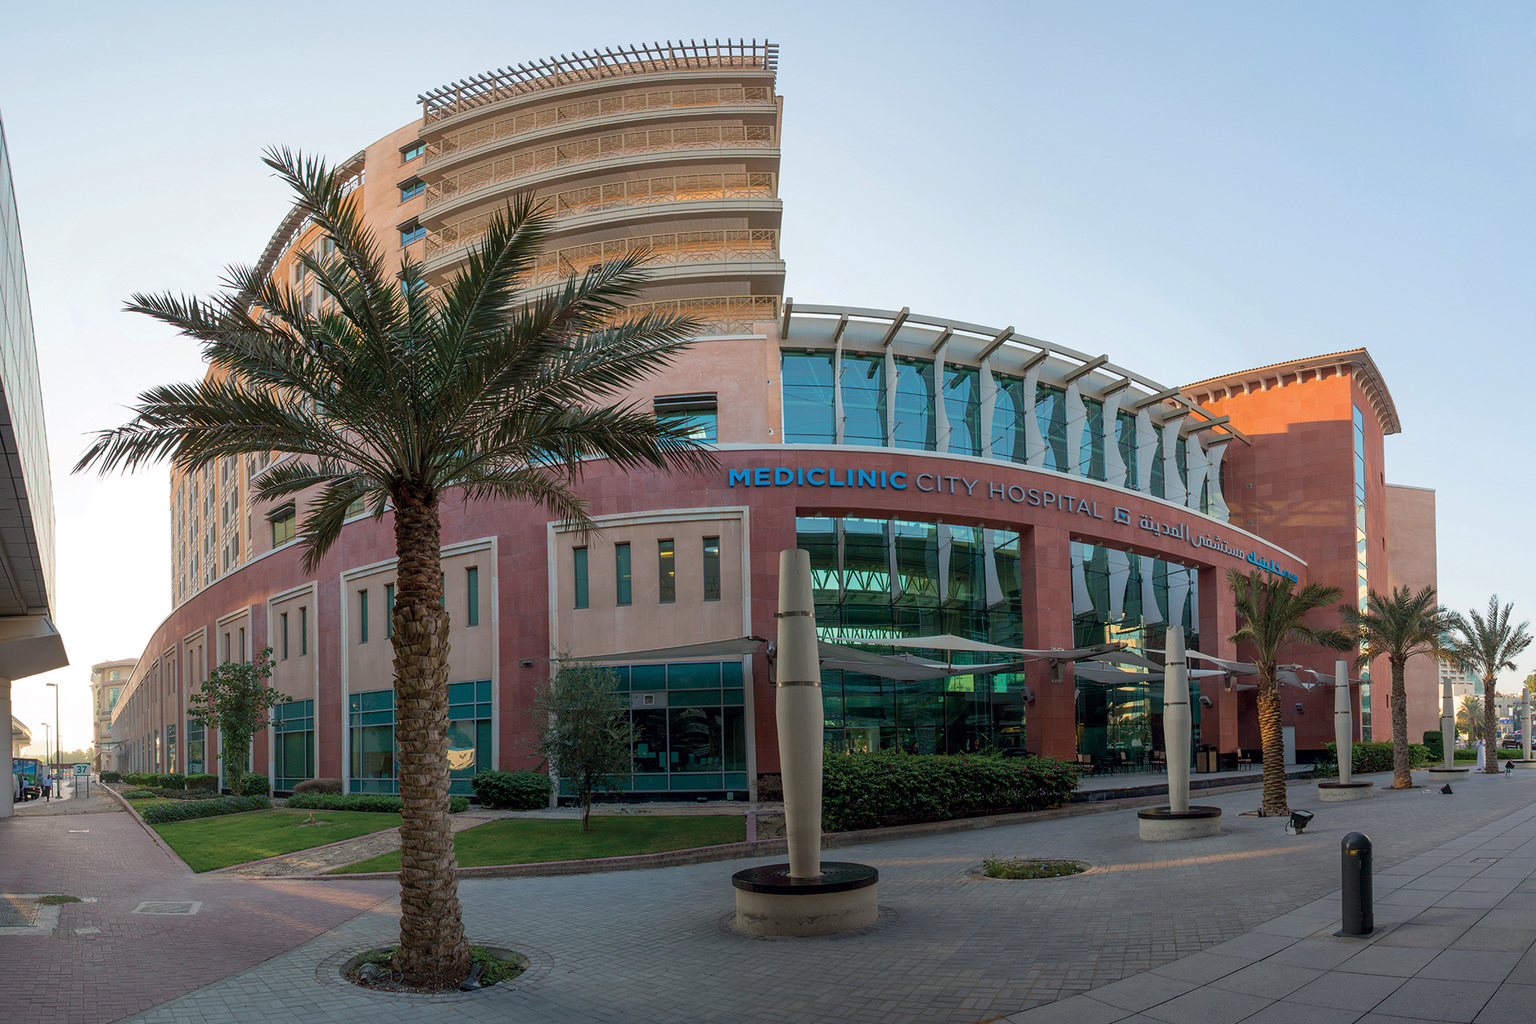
pixel 1355 868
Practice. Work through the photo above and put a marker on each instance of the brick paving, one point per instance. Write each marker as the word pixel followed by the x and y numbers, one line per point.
pixel 104 962
pixel 657 945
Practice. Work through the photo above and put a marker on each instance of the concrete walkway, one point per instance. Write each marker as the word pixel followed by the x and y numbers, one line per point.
pixel 1175 925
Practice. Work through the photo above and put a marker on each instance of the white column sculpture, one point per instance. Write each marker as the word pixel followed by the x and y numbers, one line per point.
pixel 1176 719
pixel 1525 727
pixel 1448 726
pixel 800 714
pixel 1343 723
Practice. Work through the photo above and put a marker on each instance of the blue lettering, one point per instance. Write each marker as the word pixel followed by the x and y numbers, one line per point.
pixel 783 477
pixel 898 486
pixel 800 475
pixel 867 478
pixel 741 475
pixel 761 477
pixel 832 480
pixel 810 477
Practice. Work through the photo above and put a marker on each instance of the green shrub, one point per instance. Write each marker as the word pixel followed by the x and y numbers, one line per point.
pixel 187 810
pixel 1435 744
pixel 513 791
pixel 108 776
pixel 254 784
pixel 319 786
pixel 380 803
pixel 1377 757
pixel 140 794
pixel 870 790
pixel 202 781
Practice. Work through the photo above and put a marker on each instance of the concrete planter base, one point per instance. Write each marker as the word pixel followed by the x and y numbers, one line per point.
pixel 1442 770
pixel 1335 791
pixel 842 899
pixel 1519 763
pixel 1162 825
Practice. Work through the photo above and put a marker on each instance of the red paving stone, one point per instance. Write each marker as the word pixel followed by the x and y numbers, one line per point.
pixel 138 961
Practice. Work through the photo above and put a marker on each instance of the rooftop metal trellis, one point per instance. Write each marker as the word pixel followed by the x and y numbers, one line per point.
pixel 551 72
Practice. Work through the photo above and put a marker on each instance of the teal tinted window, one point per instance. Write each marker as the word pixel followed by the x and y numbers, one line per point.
pixel 1090 461
pixel 1008 437
pixel 1125 435
pixel 1051 416
pixel 808 404
pixel 362 616
pixel 389 609
pixel 863 387
pixel 693 675
pixel 914 405
pixel 962 409
pixel 472 586
pixel 303 630
pixel 696 416
pixel 666 571
pixel 648 677
pixel 711 568
pixel 579 560
pixel 621 573
pixel 293 754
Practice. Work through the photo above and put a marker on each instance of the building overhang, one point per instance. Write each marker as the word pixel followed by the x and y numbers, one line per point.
pixel 29 644
pixel 1358 361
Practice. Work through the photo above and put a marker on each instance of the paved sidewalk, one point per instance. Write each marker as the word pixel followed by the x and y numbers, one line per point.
pixel 658 946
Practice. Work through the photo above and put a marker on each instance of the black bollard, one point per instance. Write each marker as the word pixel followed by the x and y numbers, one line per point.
pixel 1355 862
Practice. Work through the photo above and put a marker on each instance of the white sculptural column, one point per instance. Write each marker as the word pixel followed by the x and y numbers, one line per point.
pixel 1343 723
pixel 1525 727
pixel 1448 726
pixel 1176 719
pixel 799 713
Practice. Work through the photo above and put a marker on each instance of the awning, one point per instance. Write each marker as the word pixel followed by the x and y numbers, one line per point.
pixel 29 644
pixel 709 649
pixel 1236 668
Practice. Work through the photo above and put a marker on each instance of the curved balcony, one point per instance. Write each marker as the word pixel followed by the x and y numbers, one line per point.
pixel 463 143
pixel 613 196
pixel 680 247
pixel 580 151
pixel 724 314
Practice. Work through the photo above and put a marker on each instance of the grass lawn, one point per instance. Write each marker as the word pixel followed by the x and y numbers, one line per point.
pixel 139 803
pixel 209 843
pixel 533 841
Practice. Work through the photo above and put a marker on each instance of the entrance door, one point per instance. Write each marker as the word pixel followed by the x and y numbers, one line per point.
pixel 1288 737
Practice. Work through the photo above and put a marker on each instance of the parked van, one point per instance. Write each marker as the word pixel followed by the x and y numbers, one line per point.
pixel 26 778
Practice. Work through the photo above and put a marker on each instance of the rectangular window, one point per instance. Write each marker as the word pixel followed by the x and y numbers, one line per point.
pixel 293 728
pixel 303 630
pixel 285 524
pixel 695 415
pixel 472 584
pixel 410 232
pixel 241 650
pixel 362 616
pixel 412 190
pixel 711 568
pixel 226 646
pixel 283 622
pixel 412 151
pixel 621 572
pixel 666 571
pixel 580 558
pixel 389 609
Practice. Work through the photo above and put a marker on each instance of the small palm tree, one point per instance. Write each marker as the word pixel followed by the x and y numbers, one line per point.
pixel 1398 627
pixel 395 394
pixel 1470 718
pixel 1273 613
pixel 1486 645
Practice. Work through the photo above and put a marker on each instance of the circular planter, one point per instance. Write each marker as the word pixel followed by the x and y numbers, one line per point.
pixel 1333 792
pixel 1163 824
pixel 1520 763
pixel 1442 770
pixel 769 901
pixel 1083 867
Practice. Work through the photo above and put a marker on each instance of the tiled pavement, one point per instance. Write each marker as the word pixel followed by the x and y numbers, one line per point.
pixel 103 961
pixel 1229 928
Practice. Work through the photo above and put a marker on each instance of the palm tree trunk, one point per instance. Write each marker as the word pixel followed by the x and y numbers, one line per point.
pixel 1402 774
pixel 1272 740
pixel 1490 729
pixel 433 951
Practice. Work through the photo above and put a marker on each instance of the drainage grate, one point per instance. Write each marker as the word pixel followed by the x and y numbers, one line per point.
pixel 183 908
pixel 1485 860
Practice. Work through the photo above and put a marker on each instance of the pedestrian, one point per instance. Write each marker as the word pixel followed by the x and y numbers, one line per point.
pixel 47 786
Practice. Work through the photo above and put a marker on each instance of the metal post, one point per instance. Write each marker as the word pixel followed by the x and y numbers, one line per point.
pixel 1355 866
pixel 1525 727
pixel 1448 726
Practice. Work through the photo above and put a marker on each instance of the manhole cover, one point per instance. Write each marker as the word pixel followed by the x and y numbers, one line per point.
pixel 89 929
pixel 16 912
pixel 183 908
pixel 1485 860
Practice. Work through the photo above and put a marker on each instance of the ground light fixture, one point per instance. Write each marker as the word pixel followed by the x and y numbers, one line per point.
pixel 1299 821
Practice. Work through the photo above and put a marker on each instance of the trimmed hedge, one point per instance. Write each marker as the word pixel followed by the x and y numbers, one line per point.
pixel 110 776
pixel 872 790
pixel 332 786
pixel 254 784
pixel 156 780
pixel 1435 744
pixel 202 781
pixel 513 791
pixel 1369 757
pixel 380 803
pixel 187 810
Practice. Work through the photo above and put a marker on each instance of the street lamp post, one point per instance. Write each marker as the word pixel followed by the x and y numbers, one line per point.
pixel 56 747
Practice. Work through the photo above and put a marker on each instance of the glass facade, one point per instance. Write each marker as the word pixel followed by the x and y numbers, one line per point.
pixel 196 759
pixel 875 579
pixel 1362 581
pixel 371 719
pixel 689 721
pixel 904 412
pixel 293 744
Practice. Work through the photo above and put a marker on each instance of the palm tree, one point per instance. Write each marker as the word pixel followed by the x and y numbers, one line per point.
pixel 1398 626
pixel 395 395
pixel 1273 615
pixel 1470 717
pixel 1487 645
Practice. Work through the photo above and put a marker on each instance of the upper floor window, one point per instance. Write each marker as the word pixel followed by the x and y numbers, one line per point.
pixel 711 568
pixel 666 571
pixel 285 524
pixel 411 152
pixel 411 232
pixel 472 585
pixel 695 415
pixel 579 569
pixel 621 573
pixel 412 189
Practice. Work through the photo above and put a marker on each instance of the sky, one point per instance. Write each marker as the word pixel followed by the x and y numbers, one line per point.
pixel 1192 188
